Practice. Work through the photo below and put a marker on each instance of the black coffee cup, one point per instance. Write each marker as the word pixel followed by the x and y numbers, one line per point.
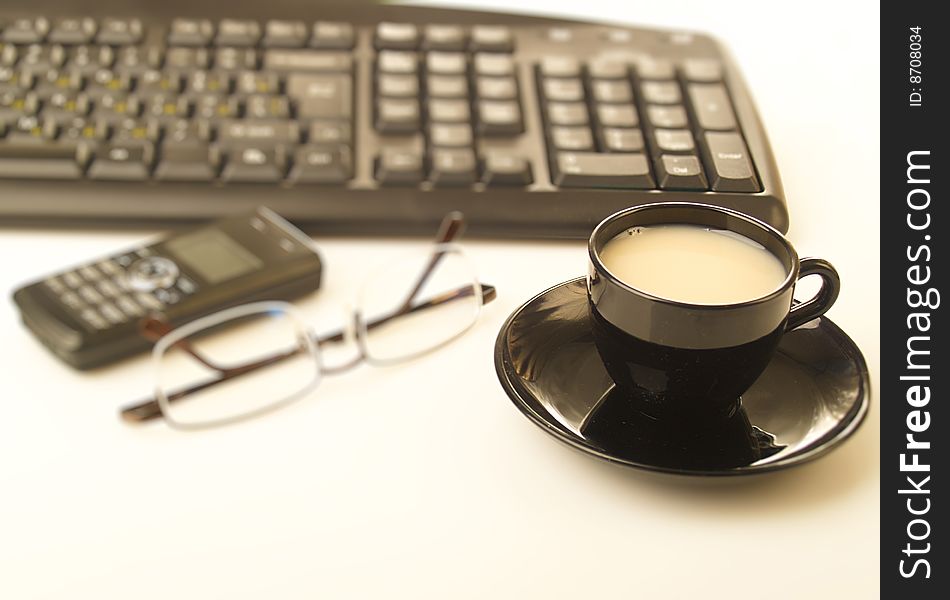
pixel 682 360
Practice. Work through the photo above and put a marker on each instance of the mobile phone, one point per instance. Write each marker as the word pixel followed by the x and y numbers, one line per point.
pixel 90 315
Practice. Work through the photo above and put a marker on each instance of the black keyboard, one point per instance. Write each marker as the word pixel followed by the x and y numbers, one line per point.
pixel 358 118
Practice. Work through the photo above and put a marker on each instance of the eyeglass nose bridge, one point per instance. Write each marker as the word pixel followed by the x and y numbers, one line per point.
pixel 347 336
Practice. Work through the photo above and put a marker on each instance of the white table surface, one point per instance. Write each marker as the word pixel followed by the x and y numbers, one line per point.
pixel 381 486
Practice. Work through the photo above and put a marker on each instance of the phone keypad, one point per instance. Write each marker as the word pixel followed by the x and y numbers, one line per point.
pixel 101 295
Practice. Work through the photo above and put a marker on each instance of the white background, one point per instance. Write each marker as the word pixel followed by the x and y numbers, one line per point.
pixel 382 485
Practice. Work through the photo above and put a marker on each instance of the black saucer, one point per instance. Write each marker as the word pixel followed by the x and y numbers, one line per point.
pixel 813 395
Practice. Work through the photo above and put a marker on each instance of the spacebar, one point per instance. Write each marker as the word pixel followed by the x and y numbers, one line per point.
pixel 588 169
pixel 39 160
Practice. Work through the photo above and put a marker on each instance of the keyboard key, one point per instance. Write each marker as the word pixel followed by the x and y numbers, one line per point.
pixel 572 138
pixel 308 60
pixel 135 131
pixel 560 66
pixel 680 173
pixel 329 133
pixel 563 90
pixel 16 104
pixel 235 59
pixel 332 35
pixel 497 65
pixel 496 88
pixel 446 63
pixel 445 37
pixel 727 161
pixel 167 107
pixel 120 32
pixel 617 115
pixel 449 111
pixel 505 168
pixel 611 92
pixel 672 117
pixel 125 162
pixel 492 38
pixel 86 60
pixel 254 164
pixel 655 68
pixel 702 70
pixel 398 166
pixel 187 59
pixel 587 169
pixel 40 160
pixel 26 31
pixel 73 31
pixel 499 117
pixel 622 140
pixel 285 34
pixel 138 59
pixel 10 80
pixel 263 106
pixel 256 82
pixel 319 96
pixel 674 140
pixel 447 87
pixel 450 136
pixel 64 106
pixel 80 129
pixel 712 107
pixel 396 36
pixel 213 106
pixel 661 92
pixel 38 59
pixel 187 161
pixel 397 115
pixel 258 133
pixel 233 32
pixel 567 113
pixel 159 82
pixel 322 164
pixel 398 86
pixel 190 32
pixel 55 81
pixel 601 68
pixel 404 63
pixel 201 82
pixel 453 167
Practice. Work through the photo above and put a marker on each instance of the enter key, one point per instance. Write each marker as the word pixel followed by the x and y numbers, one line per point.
pixel 728 163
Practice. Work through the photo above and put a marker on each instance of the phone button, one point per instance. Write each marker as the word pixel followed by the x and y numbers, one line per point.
pixel 93 318
pixel 153 272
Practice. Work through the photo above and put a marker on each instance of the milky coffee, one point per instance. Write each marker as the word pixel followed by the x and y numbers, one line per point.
pixel 693 264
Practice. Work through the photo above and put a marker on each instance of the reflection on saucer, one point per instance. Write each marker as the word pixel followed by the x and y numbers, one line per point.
pixel 813 395
pixel 726 442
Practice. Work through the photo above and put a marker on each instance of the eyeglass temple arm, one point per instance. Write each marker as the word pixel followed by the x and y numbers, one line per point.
pixel 151 409
pixel 451 229
pixel 488 294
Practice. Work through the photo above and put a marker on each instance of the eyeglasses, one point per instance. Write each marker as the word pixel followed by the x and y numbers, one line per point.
pixel 248 360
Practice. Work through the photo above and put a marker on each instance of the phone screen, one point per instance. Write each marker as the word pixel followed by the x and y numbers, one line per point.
pixel 215 256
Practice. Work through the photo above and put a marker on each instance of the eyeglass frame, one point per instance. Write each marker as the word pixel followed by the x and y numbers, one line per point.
pixel 158 329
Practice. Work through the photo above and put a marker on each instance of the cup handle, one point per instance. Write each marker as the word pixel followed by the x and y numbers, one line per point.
pixel 822 301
